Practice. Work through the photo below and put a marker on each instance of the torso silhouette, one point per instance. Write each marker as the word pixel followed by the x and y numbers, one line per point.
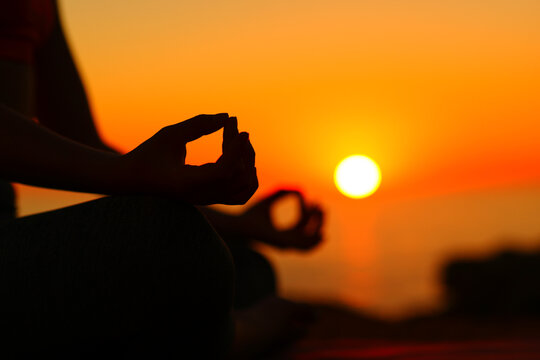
pixel 24 26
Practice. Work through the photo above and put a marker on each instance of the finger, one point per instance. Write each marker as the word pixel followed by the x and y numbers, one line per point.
pixel 316 221
pixel 309 242
pixel 305 214
pixel 246 189
pixel 230 132
pixel 310 236
pixel 199 125
pixel 232 158
pixel 303 207
pixel 200 183
pixel 249 155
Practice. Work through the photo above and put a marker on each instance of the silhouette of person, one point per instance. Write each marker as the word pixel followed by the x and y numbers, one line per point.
pixel 140 273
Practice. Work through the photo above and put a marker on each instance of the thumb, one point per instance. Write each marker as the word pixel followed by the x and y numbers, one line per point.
pixel 230 132
pixel 235 151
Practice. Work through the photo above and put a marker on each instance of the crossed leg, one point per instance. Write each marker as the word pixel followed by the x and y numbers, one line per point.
pixel 120 277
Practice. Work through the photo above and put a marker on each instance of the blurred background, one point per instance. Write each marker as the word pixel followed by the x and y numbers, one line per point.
pixel 443 95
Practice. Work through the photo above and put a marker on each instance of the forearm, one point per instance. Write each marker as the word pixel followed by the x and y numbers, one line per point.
pixel 34 155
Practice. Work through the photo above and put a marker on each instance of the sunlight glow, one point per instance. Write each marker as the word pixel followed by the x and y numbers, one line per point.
pixel 357 176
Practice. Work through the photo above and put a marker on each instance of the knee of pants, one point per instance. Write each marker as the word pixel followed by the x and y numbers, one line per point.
pixel 187 248
pixel 124 265
pixel 162 259
pixel 195 272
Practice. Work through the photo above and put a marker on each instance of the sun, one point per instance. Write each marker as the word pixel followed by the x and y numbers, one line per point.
pixel 357 176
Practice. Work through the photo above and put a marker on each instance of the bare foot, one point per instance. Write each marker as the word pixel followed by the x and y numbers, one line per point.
pixel 268 326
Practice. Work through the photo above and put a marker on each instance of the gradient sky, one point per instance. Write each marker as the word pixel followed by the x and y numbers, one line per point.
pixel 442 94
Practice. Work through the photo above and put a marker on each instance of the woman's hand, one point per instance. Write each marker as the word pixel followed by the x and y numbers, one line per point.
pixel 304 235
pixel 158 164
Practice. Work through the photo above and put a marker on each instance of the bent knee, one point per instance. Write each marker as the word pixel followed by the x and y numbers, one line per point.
pixel 174 241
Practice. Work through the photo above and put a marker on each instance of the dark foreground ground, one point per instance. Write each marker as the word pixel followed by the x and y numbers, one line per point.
pixel 339 333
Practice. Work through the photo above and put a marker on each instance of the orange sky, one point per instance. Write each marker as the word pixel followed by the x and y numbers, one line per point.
pixel 443 95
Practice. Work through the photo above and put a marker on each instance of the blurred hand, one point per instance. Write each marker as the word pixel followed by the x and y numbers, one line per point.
pixel 304 235
pixel 158 165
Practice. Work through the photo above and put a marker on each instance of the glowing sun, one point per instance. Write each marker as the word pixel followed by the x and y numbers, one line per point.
pixel 357 176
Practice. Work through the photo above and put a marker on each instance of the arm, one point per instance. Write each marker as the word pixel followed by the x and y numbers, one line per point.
pixel 255 223
pixel 32 154
pixel 61 101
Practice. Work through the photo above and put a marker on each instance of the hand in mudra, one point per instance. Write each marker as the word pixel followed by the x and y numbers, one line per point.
pixel 304 235
pixel 158 165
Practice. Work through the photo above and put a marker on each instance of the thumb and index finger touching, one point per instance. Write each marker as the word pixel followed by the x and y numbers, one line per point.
pixel 201 125
pixel 237 149
pixel 230 132
pixel 235 144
